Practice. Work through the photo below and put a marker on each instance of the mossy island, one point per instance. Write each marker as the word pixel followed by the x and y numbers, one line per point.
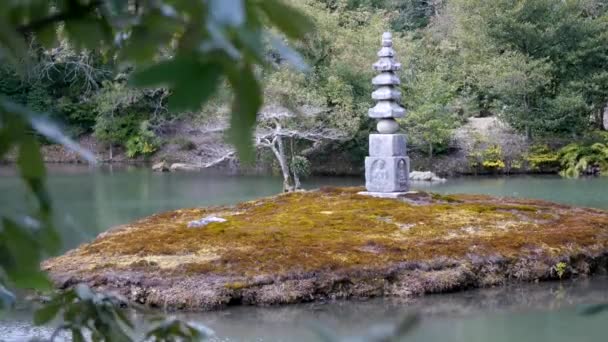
pixel 333 243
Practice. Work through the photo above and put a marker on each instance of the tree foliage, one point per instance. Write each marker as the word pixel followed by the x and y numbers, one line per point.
pixel 540 63
pixel 187 46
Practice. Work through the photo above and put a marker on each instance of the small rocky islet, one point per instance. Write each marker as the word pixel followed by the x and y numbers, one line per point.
pixel 334 243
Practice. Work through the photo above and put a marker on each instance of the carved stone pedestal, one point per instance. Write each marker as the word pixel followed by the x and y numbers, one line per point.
pixel 387 168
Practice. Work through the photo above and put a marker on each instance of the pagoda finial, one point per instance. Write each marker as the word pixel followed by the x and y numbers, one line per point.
pixel 387 94
pixel 387 39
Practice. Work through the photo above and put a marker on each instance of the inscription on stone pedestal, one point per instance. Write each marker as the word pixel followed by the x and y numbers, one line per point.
pixel 379 173
pixel 403 173
pixel 387 174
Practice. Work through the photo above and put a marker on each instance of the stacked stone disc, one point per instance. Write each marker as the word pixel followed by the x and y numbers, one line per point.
pixel 387 167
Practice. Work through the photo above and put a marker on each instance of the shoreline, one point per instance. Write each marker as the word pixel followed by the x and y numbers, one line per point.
pixel 258 171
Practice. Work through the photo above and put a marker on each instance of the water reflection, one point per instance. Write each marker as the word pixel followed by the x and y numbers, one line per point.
pixel 522 312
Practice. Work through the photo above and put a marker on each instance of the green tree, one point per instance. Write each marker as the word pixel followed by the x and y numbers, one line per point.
pixel 431 116
pixel 542 63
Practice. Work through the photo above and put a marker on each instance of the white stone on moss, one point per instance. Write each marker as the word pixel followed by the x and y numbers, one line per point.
pixel 205 221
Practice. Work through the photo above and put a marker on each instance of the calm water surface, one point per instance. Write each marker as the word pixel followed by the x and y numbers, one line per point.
pixel 90 201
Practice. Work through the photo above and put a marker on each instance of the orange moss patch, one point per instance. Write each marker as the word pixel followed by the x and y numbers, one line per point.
pixel 335 230
pixel 338 229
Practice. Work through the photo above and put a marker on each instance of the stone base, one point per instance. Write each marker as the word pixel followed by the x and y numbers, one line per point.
pixel 387 174
pixel 387 194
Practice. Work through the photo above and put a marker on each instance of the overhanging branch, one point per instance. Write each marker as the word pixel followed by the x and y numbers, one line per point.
pixel 74 12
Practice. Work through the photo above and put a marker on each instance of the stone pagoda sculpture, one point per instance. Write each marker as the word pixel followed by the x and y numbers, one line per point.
pixel 387 167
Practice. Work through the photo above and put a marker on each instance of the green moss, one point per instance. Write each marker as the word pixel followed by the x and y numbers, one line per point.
pixel 337 229
pixel 445 198
pixel 235 286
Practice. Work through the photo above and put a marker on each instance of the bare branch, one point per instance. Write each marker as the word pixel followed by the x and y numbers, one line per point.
pixel 228 156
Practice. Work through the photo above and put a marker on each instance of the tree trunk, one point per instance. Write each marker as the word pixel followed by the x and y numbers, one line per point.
pixel 605 118
pixel 296 179
pixel 430 151
pixel 279 153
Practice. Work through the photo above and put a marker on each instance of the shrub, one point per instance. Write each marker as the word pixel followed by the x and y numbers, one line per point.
pixel 577 159
pixel 491 159
pixel 541 157
pixel 301 166
pixel 145 143
pixel 116 129
pixel 80 115
pixel 560 269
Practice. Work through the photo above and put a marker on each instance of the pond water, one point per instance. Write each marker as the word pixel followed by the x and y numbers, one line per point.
pixel 88 202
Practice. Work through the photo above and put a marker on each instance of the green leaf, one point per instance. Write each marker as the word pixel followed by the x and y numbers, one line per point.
pixel 227 12
pixel 10 132
pixel 165 73
pixel 87 32
pixel 118 6
pixel 31 164
pixel 47 313
pixel 84 292
pixel 154 30
pixel 53 133
pixel 196 89
pixel 47 36
pixel 18 115
pixel 123 318
pixel 77 335
pixel 407 324
pixel 593 309
pixel 21 257
pixel 252 41
pixel 248 101
pixel 290 21
pixel 7 299
pixel 290 55
pixel 11 44
pixel 141 45
pixel 191 80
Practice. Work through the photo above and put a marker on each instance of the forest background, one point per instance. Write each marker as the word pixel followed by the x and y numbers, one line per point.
pixel 490 86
